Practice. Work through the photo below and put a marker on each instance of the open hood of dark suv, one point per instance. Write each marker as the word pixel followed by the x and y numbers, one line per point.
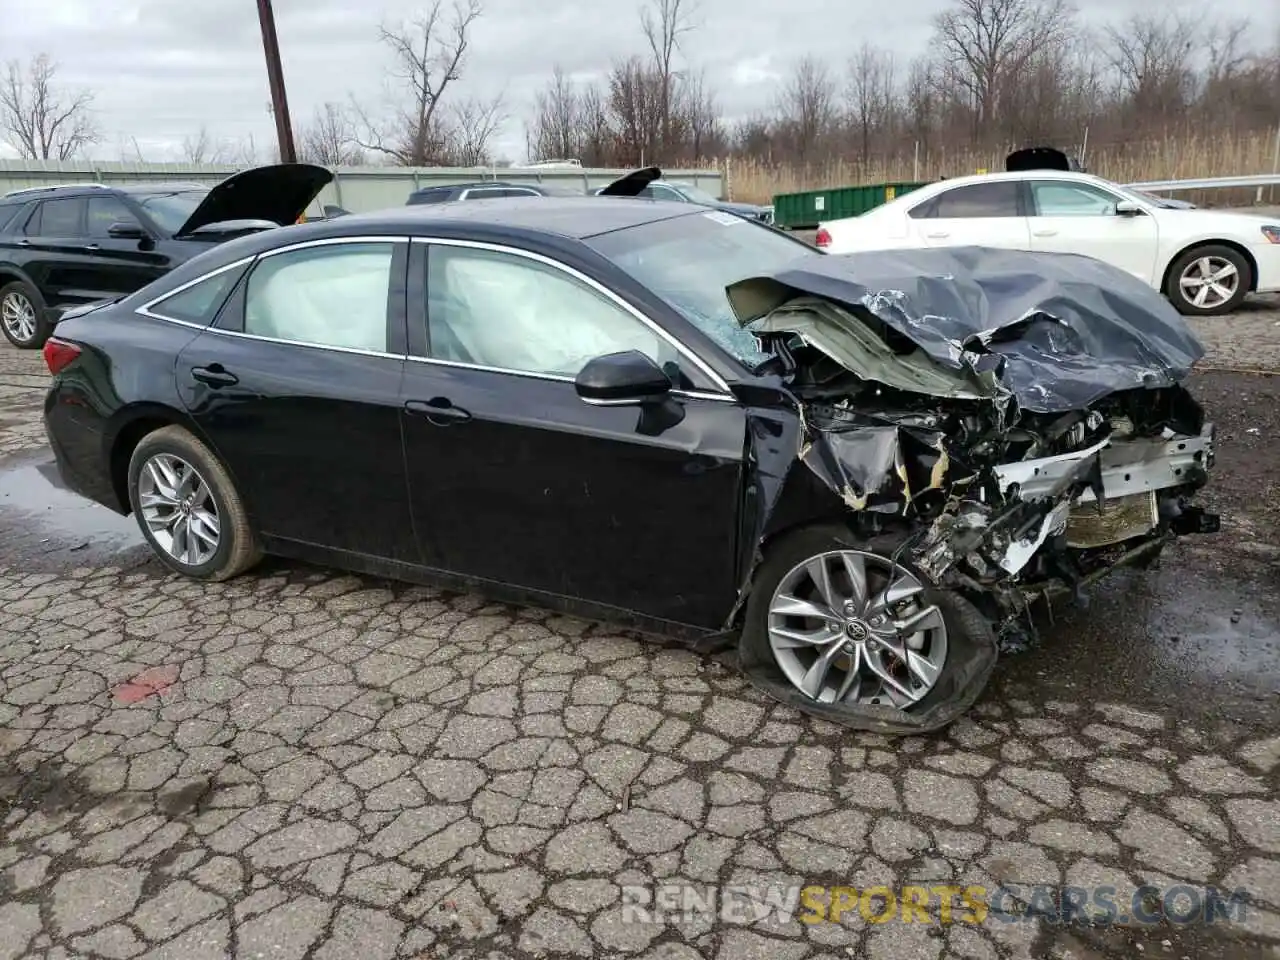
pixel 1041 158
pixel 633 184
pixel 278 193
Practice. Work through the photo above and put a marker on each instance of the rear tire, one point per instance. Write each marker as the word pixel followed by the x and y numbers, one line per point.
pixel 188 508
pixel 22 316
pixel 1220 277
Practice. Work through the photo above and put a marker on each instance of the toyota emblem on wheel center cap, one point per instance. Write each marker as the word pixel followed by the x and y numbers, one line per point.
pixel 857 630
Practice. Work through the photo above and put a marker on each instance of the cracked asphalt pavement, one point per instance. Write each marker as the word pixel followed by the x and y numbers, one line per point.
pixel 303 763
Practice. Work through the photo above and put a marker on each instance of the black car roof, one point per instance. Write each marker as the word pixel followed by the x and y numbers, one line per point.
pixel 576 217
pixel 546 221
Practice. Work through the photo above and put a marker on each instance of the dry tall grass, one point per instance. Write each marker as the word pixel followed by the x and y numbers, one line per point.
pixel 1172 158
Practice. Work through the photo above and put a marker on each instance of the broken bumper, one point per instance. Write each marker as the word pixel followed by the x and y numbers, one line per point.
pixel 1131 488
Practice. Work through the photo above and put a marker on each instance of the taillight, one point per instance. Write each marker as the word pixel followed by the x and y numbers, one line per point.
pixel 823 239
pixel 58 354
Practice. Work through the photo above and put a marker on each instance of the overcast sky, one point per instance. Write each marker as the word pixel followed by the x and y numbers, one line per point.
pixel 161 68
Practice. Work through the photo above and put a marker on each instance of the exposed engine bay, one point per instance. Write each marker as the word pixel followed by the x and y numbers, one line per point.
pixel 1024 414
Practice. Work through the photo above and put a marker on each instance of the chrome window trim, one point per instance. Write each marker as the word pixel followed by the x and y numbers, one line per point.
pixel 329 242
pixel 600 288
pixel 148 310
pixel 557 378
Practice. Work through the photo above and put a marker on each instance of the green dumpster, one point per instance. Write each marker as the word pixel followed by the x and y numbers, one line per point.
pixel 805 210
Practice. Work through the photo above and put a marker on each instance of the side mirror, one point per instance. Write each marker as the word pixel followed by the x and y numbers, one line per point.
pixel 622 379
pixel 126 231
pixel 1127 208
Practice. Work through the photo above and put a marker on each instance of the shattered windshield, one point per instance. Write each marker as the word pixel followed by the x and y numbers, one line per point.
pixel 689 261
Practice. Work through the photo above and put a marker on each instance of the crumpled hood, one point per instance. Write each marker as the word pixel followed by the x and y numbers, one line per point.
pixel 1056 332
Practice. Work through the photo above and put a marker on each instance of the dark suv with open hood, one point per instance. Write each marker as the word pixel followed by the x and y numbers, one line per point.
pixel 68 245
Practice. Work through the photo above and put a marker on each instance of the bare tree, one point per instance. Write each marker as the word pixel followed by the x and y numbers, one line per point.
pixel 921 97
pixel 200 148
pixel 664 22
pixel 987 45
pixel 474 122
pixel 40 121
pixel 329 139
pixel 1153 63
pixel 599 142
pixel 706 133
pixel 808 102
pixel 244 152
pixel 635 106
pixel 557 128
pixel 428 53
pixel 871 91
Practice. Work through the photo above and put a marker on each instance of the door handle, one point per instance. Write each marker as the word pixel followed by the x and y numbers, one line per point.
pixel 24 243
pixel 938 235
pixel 438 410
pixel 1044 233
pixel 92 247
pixel 214 375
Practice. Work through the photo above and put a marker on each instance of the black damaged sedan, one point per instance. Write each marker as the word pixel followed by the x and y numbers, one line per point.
pixel 861 471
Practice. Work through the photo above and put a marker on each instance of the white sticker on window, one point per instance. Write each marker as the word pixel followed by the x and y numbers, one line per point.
pixel 728 219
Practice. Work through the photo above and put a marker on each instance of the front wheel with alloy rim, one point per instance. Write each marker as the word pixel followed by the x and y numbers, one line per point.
pixel 21 316
pixel 187 507
pixel 841 628
pixel 1209 280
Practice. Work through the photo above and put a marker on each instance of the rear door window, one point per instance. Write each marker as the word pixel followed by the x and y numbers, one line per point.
pixel 59 218
pixel 974 200
pixel 999 199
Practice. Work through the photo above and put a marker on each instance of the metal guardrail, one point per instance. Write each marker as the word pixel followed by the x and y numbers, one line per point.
pixel 1209 183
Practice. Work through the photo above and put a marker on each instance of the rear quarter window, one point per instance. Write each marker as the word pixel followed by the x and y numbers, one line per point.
pixel 8 214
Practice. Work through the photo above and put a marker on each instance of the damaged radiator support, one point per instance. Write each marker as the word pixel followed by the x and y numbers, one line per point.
pixel 1112 494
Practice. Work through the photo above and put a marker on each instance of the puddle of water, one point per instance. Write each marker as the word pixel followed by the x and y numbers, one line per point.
pixel 32 496
pixel 1187 640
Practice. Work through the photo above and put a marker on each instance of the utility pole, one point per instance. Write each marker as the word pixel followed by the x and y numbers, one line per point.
pixel 275 77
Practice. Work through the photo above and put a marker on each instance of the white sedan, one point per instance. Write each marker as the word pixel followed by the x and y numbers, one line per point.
pixel 1205 261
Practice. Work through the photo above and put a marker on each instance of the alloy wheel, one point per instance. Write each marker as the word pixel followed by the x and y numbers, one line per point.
pixel 853 627
pixel 1209 282
pixel 18 315
pixel 178 509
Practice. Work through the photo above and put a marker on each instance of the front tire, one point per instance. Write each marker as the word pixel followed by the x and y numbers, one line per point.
pixel 22 316
pixel 188 508
pixel 835 628
pixel 1208 281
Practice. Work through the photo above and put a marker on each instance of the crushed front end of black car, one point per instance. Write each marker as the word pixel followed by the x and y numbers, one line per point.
pixel 1022 417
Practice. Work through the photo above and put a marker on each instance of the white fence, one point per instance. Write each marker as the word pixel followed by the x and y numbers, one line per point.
pixel 358 189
